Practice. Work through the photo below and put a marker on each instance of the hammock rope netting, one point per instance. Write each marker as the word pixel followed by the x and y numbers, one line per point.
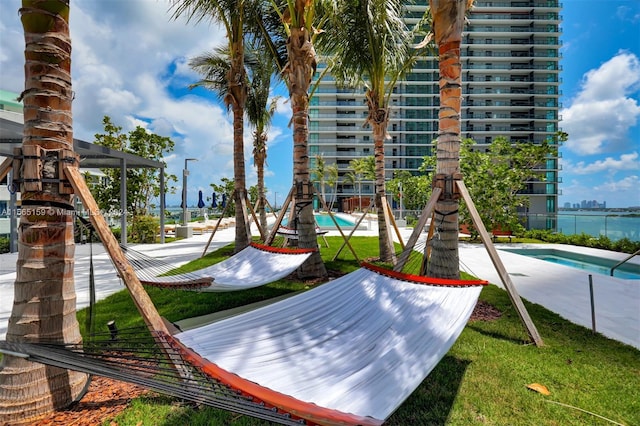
pixel 138 360
pixel 349 351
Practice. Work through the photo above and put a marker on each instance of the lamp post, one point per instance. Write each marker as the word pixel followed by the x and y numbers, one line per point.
pixel 275 201
pixel 185 173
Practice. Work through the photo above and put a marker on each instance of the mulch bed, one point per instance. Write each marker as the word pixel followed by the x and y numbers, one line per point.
pixel 485 312
pixel 104 400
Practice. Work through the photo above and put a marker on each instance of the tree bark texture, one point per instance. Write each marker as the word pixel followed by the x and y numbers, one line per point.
pixel 238 94
pixel 387 254
pixel 259 157
pixel 448 21
pixel 44 307
pixel 299 71
pixel 378 118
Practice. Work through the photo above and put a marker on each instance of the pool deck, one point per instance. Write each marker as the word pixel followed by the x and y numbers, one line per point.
pixel 559 288
pixel 565 290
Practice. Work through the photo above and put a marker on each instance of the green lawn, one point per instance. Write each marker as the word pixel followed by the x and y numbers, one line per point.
pixel 481 381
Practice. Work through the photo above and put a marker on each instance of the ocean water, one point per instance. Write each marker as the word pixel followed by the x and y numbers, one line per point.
pixel 614 225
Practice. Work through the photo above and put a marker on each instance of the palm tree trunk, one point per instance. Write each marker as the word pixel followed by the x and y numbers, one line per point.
pixel 44 307
pixel 448 20
pixel 238 94
pixel 262 213
pixel 299 71
pixel 379 133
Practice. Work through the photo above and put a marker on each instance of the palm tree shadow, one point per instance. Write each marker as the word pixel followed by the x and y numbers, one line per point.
pixel 432 401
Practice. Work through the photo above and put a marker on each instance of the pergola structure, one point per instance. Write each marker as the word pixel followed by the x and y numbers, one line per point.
pixel 91 157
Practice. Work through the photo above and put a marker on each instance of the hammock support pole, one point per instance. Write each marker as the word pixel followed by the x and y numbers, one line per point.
pixel 283 211
pixel 392 220
pixel 271 208
pixel 6 167
pixel 143 302
pixel 417 230
pixel 254 217
pixel 204 252
pixel 497 263
pixel 427 248
pixel 346 240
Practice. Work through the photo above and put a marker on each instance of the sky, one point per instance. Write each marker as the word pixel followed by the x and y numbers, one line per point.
pixel 130 62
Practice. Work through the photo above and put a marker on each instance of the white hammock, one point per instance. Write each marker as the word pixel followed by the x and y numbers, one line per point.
pixel 351 350
pixel 254 266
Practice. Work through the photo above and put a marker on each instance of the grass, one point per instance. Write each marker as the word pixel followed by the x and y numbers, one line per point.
pixel 481 381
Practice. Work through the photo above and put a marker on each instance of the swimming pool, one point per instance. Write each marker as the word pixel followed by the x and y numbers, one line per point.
pixel 598 265
pixel 325 222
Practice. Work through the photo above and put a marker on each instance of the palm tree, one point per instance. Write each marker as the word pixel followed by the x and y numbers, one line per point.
pixel 297 19
pixel 332 181
pixel 357 164
pixel 319 172
pixel 448 21
pixel 364 169
pixel 372 46
pixel 259 113
pixel 230 13
pixel 44 301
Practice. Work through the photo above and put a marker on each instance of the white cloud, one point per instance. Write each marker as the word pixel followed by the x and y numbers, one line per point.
pixel 621 192
pixel 629 183
pixel 130 61
pixel 625 13
pixel 609 165
pixel 599 118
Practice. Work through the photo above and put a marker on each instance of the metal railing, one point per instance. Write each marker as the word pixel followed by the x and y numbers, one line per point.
pixel 622 262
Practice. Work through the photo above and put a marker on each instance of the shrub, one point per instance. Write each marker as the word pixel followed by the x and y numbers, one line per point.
pixel 143 229
pixel 4 245
pixel 585 240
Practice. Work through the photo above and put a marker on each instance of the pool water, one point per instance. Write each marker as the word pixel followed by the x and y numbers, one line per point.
pixel 580 261
pixel 325 222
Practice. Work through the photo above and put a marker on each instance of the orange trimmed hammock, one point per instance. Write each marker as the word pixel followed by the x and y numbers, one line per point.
pixel 347 352
pixel 254 266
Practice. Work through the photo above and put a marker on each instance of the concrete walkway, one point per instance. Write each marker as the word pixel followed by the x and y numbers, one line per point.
pixel 106 279
pixel 565 290
pixel 561 289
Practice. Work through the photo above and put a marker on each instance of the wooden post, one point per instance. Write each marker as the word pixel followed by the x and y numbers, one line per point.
pixel 391 224
pixel 254 217
pixel 394 224
pixel 206 247
pixel 5 167
pixel 417 230
pixel 271 208
pixel 276 225
pixel 143 302
pixel 139 295
pixel 346 240
pixel 427 248
pixel 497 262
pixel 324 204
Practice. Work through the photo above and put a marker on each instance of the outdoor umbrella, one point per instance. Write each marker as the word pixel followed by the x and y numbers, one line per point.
pixel 200 202
pixel 214 203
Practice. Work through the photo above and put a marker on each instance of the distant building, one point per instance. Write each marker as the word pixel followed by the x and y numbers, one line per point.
pixel 511 87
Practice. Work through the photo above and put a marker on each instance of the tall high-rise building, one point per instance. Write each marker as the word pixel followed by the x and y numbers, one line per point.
pixel 511 78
